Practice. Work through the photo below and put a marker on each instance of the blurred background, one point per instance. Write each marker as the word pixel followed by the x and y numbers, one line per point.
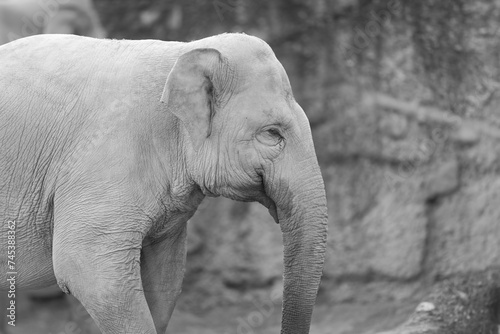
pixel 402 99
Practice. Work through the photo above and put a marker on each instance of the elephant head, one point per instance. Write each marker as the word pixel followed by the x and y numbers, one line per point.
pixel 248 139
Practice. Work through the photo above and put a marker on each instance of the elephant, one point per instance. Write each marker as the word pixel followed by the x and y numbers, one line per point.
pixel 107 147
pixel 22 18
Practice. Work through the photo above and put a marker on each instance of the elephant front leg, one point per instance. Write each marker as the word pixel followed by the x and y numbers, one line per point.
pixel 98 261
pixel 162 271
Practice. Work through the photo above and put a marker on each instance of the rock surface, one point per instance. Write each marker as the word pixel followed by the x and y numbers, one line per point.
pixel 462 305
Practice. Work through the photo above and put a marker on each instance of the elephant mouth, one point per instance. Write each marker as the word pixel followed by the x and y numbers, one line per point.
pixel 273 212
pixel 268 202
pixel 271 207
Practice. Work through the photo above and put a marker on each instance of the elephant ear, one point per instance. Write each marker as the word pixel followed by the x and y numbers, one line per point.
pixel 190 91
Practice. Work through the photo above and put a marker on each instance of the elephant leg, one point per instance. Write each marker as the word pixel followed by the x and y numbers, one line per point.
pixel 97 260
pixel 162 271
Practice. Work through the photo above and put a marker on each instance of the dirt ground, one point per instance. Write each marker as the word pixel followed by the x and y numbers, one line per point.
pixel 339 319
pixel 66 316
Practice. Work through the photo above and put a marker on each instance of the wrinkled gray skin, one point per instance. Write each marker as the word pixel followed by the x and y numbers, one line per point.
pixel 23 18
pixel 107 147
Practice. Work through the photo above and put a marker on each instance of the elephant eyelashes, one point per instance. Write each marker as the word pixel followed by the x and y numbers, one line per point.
pixel 270 137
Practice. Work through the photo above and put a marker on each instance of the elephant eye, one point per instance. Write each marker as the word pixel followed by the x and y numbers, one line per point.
pixel 270 137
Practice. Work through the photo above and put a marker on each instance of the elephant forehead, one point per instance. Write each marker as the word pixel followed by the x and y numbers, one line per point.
pixel 241 46
pixel 263 80
pixel 272 79
pixel 262 108
pixel 252 61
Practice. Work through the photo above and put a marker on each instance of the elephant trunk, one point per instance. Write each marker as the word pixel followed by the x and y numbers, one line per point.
pixel 302 215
